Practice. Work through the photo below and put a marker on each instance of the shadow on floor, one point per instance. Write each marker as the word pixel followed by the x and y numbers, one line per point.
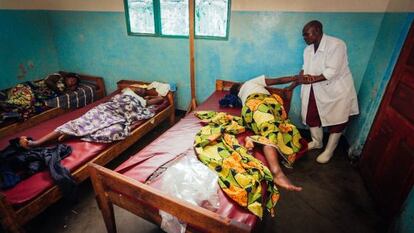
pixel 334 199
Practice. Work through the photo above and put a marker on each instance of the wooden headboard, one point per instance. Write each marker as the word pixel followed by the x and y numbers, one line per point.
pixel 285 93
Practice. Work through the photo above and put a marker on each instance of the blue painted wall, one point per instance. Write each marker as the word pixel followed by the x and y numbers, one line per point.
pixel 97 43
pixel 27 49
pixel 260 43
pixel 389 41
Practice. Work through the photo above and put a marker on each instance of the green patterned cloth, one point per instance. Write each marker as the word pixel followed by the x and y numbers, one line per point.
pixel 240 174
pixel 266 116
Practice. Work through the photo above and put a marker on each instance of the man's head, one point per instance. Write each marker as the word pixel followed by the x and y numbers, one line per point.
pixel 71 80
pixel 312 32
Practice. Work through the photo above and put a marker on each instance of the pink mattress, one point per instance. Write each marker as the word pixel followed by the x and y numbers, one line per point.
pixel 178 140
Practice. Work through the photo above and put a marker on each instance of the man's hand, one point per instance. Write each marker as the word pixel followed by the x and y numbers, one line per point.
pixel 309 79
pixel 306 79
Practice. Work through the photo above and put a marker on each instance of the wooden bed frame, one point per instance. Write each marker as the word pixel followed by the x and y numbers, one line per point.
pixel 114 188
pixel 13 219
pixel 53 112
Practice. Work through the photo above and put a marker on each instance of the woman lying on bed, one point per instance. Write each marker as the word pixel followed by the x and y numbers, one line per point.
pixel 107 122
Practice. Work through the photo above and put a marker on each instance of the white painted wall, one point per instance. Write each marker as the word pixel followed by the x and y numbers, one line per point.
pixel 237 5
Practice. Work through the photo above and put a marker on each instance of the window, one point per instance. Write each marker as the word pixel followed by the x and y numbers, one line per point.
pixel 169 18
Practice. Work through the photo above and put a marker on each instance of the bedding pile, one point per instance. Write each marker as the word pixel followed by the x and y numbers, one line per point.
pixel 240 174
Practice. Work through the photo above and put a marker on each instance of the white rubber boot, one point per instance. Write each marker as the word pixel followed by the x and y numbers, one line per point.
pixel 327 154
pixel 317 136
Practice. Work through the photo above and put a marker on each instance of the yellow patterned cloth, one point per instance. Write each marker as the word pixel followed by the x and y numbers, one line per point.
pixel 266 116
pixel 240 174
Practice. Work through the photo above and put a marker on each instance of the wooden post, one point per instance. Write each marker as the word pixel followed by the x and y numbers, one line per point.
pixel 9 218
pixel 193 103
pixel 104 204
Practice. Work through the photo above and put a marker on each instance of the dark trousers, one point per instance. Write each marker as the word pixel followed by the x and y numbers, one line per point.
pixel 313 119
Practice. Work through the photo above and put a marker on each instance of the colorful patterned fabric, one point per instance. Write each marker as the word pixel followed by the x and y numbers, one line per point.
pixel 41 91
pixel 109 121
pixel 82 96
pixel 266 116
pixel 21 100
pixel 240 174
pixel 21 95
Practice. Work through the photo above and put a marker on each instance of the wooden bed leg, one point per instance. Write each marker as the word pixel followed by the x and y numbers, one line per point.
pixel 105 205
pixel 172 119
pixel 9 219
pixel 172 114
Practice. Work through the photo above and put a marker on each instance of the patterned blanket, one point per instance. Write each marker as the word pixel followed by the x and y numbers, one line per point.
pixel 240 174
pixel 84 95
pixel 109 121
pixel 266 116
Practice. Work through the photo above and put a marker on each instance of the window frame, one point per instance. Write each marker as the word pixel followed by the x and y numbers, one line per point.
pixel 157 24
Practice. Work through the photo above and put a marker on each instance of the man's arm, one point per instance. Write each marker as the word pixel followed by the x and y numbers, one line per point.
pixel 151 100
pixel 309 79
pixel 280 80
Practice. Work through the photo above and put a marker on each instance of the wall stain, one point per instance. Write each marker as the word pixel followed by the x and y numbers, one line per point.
pixel 21 72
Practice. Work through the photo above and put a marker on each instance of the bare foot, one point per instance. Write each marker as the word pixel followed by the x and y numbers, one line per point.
pixel 24 142
pixel 248 143
pixel 282 181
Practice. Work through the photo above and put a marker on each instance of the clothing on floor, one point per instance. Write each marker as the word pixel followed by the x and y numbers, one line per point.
pixel 17 163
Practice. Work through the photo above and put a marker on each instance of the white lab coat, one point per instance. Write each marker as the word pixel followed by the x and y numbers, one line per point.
pixel 335 97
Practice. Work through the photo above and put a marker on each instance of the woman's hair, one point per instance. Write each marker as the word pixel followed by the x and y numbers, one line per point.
pixel 234 89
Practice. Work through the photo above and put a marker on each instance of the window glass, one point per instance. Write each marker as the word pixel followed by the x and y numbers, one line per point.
pixel 170 18
pixel 211 17
pixel 174 17
pixel 141 16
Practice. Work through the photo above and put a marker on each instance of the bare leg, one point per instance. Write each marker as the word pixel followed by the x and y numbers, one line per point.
pixel 279 178
pixel 53 136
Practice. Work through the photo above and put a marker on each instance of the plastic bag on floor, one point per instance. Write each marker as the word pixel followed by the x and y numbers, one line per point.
pixel 190 180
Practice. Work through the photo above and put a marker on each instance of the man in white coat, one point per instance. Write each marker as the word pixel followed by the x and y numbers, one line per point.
pixel 328 94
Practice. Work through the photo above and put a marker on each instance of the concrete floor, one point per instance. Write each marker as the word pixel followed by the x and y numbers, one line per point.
pixel 334 199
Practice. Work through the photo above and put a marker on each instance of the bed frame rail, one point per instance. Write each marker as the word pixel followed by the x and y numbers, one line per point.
pixel 114 188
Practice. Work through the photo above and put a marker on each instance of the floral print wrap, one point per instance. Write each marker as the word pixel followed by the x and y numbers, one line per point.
pixel 240 174
pixel 266 116
pixel 109 121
